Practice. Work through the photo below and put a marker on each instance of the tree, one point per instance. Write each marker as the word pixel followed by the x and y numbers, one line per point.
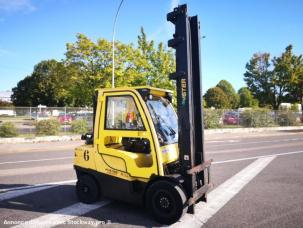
pixel 276 83
pixel 259 79
pixel 204 104
pixel 285 70
pixel 91 65
pixel 288 74
pixel 246 98
pixel 23 94
pixel 296 83
pixel 88 66
pixel 5 104
pixel 233 98
pixel 215 97
pixel 48 85
pixel 157 63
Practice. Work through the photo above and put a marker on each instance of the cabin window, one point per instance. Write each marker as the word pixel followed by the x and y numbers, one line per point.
pixel 122 114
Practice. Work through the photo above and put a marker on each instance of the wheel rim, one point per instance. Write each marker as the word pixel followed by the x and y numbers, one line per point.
pixel 163 203
pixel 85 189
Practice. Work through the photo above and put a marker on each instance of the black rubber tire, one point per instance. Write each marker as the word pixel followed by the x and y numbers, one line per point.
pixel 165 201
pixel 87 189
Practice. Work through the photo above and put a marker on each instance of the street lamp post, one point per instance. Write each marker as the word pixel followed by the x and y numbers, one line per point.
pixel 113 59
pixel 113 44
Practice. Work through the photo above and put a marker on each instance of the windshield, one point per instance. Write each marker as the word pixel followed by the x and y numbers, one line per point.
pixel 165 120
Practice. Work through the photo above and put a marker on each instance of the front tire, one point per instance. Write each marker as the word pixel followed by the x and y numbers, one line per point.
pixel 87 189
pixel 166 200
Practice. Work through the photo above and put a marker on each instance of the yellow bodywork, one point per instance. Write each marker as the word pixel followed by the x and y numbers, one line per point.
pixel 107 156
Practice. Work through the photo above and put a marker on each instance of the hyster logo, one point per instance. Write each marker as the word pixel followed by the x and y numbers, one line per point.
pixel 184 90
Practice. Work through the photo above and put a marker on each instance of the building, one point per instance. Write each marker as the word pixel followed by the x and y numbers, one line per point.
pixel 287 106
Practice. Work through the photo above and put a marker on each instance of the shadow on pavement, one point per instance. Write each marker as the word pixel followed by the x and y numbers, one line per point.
pixel 59 197
pixel 7 186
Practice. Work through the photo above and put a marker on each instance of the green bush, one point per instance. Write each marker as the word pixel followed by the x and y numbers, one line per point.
pixel 212 118
pixel 48 127
pixel 287 119
pixel 257 118
pixel 295 107
pixel 8 129
pixel 79 126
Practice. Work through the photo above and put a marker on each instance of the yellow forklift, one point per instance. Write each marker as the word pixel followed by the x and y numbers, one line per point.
pixel 140 150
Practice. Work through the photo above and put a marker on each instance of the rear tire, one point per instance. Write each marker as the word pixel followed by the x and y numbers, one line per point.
pixel 87 189
pixel 165 201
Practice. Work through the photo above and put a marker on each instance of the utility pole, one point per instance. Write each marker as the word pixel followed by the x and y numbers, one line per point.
pixel 113 44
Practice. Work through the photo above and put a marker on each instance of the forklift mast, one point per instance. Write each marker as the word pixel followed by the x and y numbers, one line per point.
pixel 186 42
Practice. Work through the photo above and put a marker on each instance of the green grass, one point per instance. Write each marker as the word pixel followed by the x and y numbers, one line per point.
pixel 32 136
pixel 27 136
pixel 231 126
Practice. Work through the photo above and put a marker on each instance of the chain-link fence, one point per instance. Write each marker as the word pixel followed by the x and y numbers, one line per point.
pixel 25 119
pixel 218 118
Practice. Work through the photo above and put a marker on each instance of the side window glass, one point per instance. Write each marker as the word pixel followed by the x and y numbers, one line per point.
pixel 122 114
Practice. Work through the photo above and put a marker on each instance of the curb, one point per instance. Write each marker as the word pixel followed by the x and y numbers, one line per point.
pixel 40 139
pixel 207 132
pixel 250 130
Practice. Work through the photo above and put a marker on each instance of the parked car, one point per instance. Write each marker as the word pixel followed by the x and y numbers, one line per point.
pixel 84 116
pixel 39 116
pixel 65 118
pixel 231 118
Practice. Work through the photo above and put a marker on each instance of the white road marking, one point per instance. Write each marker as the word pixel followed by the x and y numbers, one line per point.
pixel 257 157
pixel 224 141
pixel 63 215
pixel 215 141
pixel 38 160
pixel 20 191
pixel 255 148
pixel 249 135
pixel 35 170
pixel 222 194
pixel 233 142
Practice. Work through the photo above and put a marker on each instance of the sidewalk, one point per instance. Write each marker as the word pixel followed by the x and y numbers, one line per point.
pixel 40 139
pixel 207 132
pixel 247 130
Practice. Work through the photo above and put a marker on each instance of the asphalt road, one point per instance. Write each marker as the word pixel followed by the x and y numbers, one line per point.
pixel 258 180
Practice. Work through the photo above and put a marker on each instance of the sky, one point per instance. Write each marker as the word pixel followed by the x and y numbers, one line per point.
pixel 36 30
